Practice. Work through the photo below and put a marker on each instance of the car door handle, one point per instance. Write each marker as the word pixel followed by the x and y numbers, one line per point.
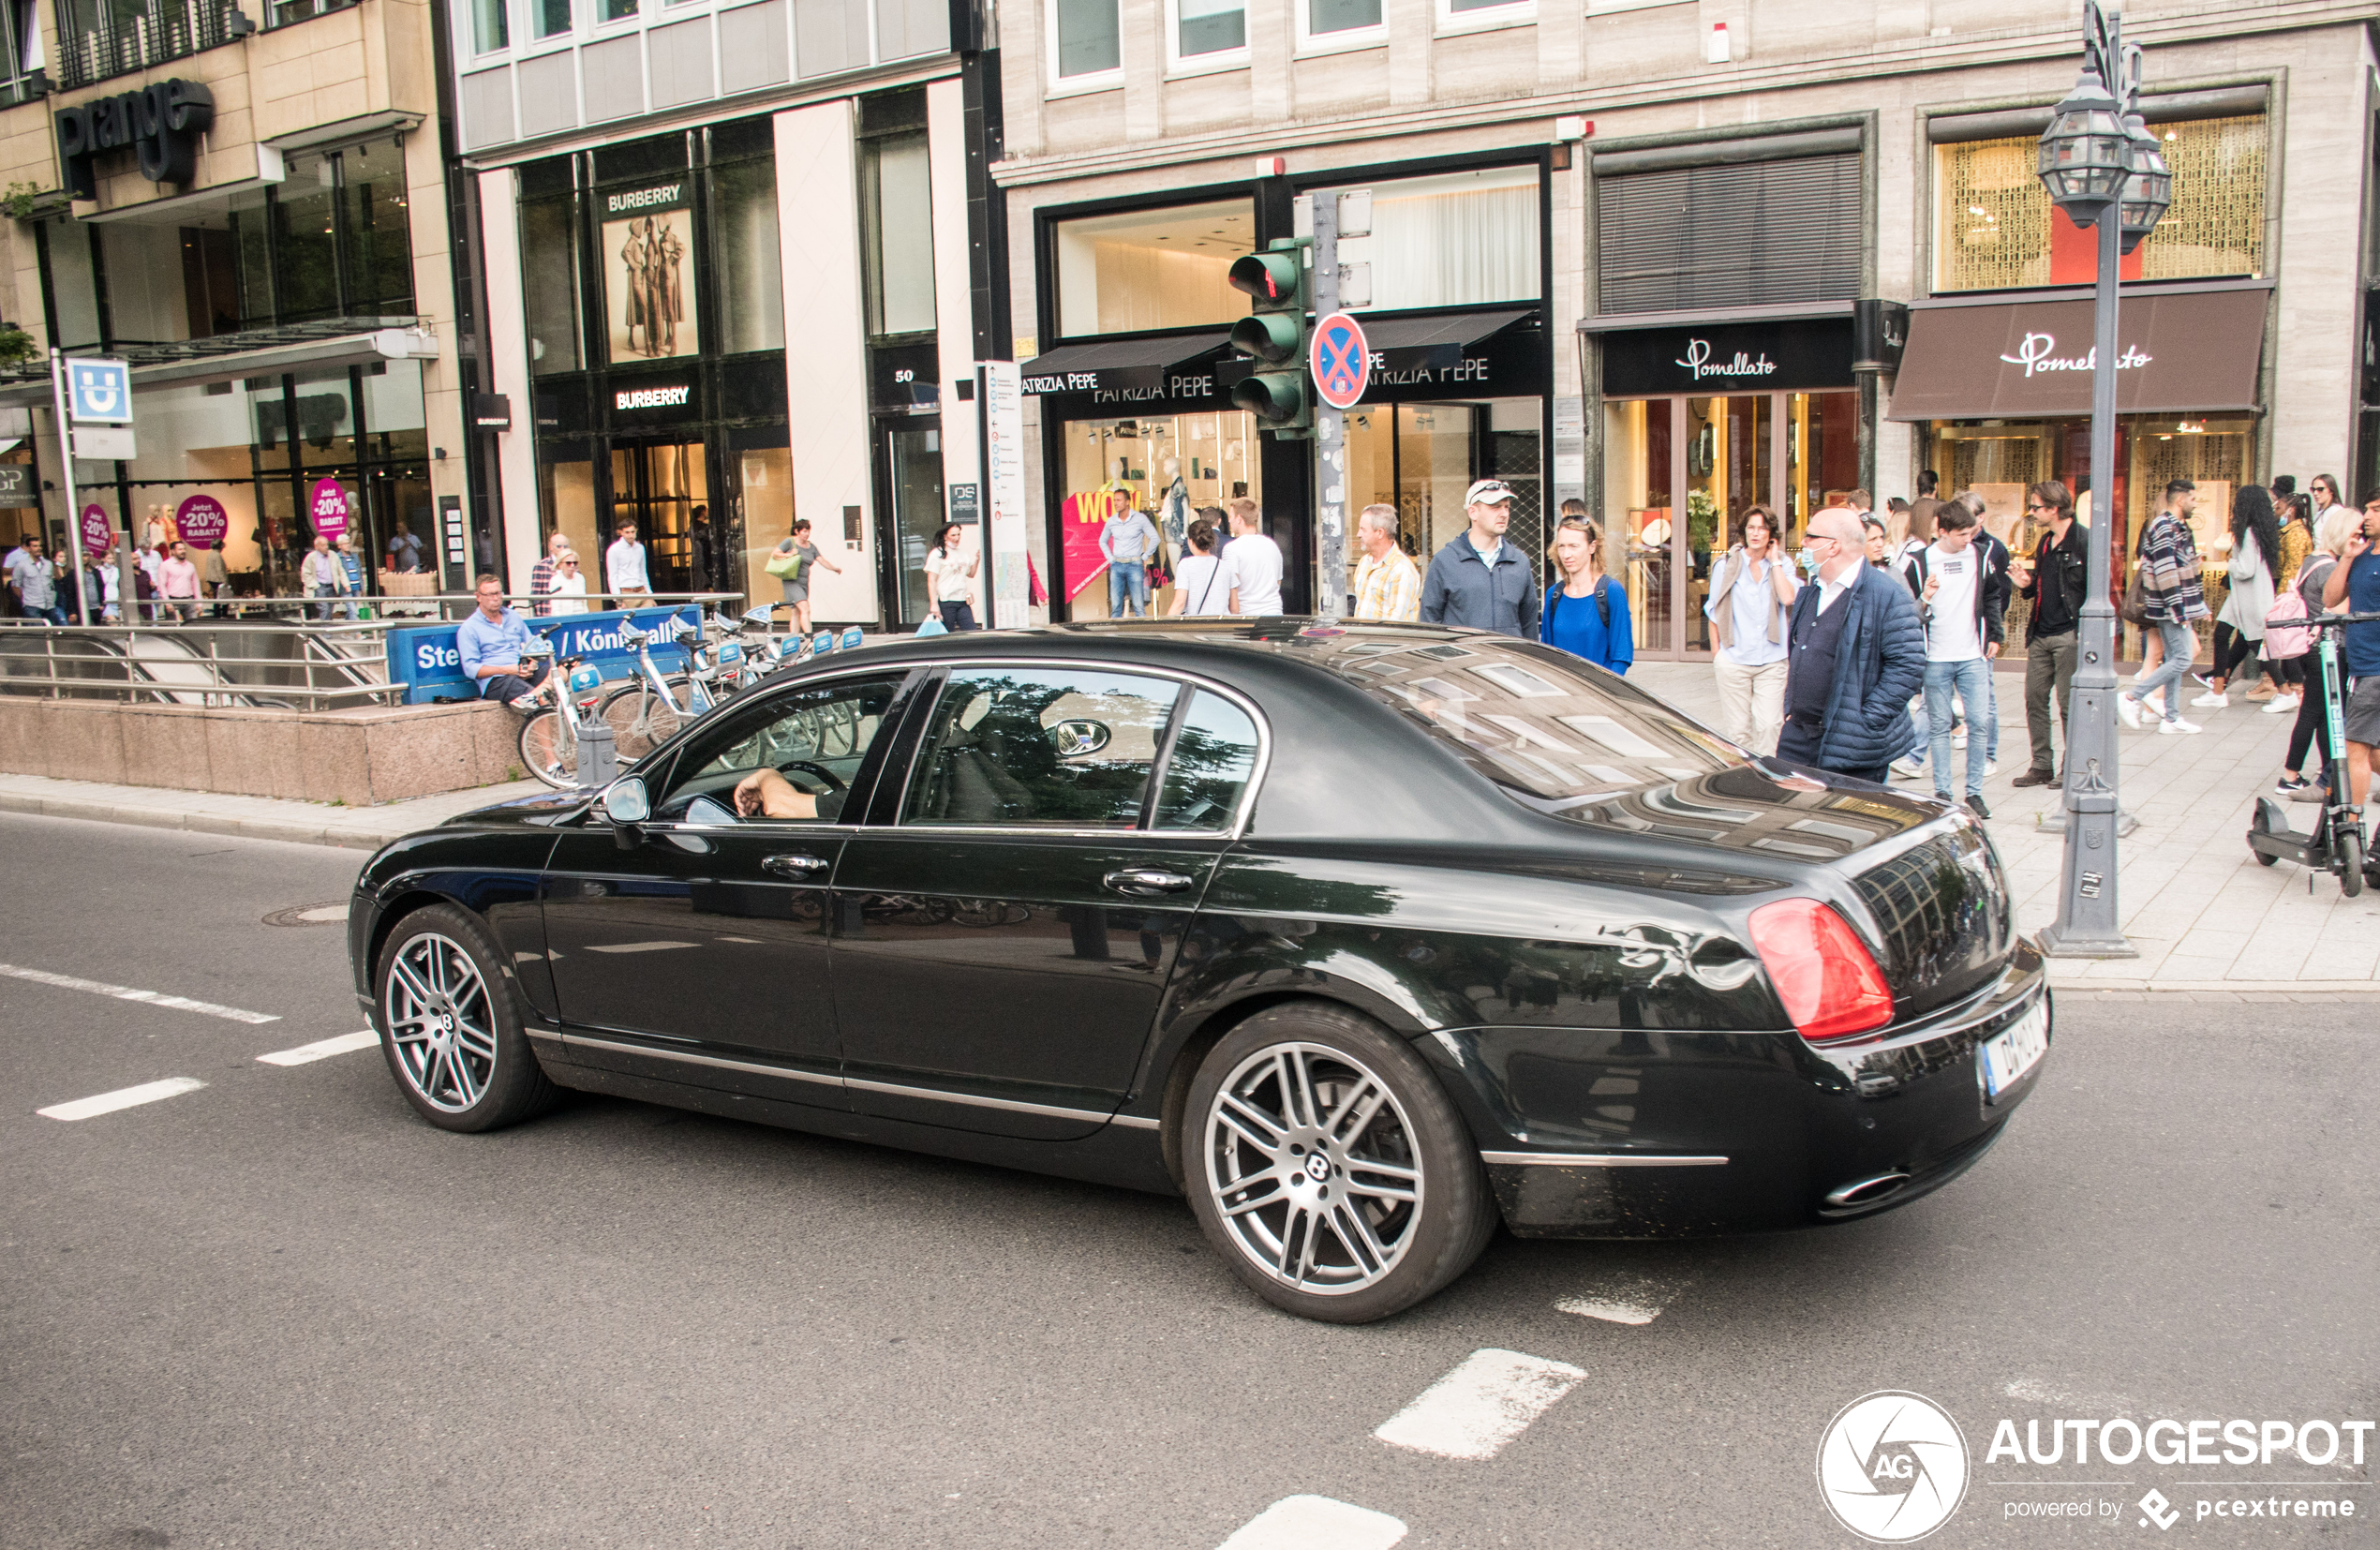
pixel 1146 880
pixel 794 866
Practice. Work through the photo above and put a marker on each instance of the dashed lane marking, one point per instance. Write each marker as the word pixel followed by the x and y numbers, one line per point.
pixel 1482 1405
pixel 124 993
pixel 1316 1523
pixel 123 1097
pixel 1625 1297
pixel 323 1049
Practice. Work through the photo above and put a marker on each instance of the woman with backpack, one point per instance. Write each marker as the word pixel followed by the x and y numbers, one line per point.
pixel 1586 613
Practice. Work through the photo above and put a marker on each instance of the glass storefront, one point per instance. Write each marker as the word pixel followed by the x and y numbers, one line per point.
pixel 652 287
pixel 1168 465
pixel 1421 458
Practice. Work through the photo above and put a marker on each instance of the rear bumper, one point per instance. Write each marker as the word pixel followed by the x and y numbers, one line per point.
pixel 1589 1133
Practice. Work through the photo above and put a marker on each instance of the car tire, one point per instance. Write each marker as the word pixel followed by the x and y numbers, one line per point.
pixel 448 1027
pixel 1331 1239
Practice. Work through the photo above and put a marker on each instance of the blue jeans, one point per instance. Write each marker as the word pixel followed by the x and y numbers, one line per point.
pixel 1132 577
pixel 1972 681
pixel 2182 643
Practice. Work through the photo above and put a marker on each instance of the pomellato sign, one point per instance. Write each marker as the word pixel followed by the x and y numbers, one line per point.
pixel 1792 354
pixel 164 122
pixel 2039 352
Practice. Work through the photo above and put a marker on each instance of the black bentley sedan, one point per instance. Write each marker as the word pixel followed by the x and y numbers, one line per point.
pixel 1365 937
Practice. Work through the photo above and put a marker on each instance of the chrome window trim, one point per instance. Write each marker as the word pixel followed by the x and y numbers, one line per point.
pixel 1595 1159
pixel 689 1057
pixel 1238 818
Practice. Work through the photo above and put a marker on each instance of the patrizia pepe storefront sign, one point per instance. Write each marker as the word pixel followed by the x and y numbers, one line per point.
pixel 1734 358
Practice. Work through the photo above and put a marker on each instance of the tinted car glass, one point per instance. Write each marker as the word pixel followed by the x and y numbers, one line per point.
pixel 1214 755
pixel 817 738
pixel 1055 747
pixel 1551 730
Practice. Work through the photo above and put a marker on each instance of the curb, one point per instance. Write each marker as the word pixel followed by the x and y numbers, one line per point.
pixel 293 832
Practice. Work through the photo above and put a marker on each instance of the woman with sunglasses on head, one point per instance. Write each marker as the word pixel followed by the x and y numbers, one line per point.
pixel 568 592
pixel 1586 612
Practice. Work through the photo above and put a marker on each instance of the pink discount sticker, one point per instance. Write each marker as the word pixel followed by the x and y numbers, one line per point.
pixel 98 533
pixel 327 509
pixel 202 521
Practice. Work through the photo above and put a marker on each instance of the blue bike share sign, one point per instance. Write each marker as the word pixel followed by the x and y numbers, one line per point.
pixel 424 659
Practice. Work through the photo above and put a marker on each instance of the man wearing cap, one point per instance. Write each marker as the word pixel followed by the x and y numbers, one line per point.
pixel 1478 581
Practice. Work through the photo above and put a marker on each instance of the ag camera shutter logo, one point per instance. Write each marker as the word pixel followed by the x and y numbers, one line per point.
pixel 1892 1467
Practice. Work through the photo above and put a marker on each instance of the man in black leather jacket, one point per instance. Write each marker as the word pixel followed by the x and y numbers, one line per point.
pixel 2054 581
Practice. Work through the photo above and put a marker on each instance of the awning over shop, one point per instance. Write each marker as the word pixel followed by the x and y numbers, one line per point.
pixel 2177 351
pixel 267 353
pixel 1109 365
pixel 1445 337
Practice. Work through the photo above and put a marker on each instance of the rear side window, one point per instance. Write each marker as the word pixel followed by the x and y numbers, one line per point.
pixel 1025 747
pixel 1215 756
pixel 1555 732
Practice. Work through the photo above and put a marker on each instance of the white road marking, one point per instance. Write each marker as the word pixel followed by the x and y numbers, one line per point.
pixel 123 992
pixel 1625 1297
pixel 124 1098
pixel 639 946
pixel 323 1049
pixel 1483 1404
pixel 1315 1523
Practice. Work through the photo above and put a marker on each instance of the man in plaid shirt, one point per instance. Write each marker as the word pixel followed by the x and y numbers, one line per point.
pixel 1387 584
pixel 540 576
pixel 2174 597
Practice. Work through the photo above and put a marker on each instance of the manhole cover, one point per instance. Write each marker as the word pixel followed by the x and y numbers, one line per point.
pixel 332 913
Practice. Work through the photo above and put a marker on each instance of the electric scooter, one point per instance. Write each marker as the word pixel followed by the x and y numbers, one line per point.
pixel 2337 842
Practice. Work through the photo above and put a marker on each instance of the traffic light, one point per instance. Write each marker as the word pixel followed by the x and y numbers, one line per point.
pixel 1274 335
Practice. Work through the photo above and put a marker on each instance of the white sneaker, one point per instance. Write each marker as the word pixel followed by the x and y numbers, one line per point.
pixel 1958 740
pixel 1908 769
pixel 2281 705
pixel 2128 711
pixel 2211 701
pixel 1991 767
pixel 2179 728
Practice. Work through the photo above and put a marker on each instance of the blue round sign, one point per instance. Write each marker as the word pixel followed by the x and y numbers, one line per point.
pixel 1342 361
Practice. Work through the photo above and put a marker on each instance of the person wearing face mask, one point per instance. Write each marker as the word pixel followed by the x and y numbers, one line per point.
pixel 1963 590
pixel 1857 653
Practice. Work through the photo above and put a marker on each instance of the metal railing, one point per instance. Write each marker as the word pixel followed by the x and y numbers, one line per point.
pixel 270 663
pixel 114 46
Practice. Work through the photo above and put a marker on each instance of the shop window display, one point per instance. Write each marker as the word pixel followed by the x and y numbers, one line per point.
pixel 1167 466
pixel 1456 239
pixel 1147 269
pixel 1421 458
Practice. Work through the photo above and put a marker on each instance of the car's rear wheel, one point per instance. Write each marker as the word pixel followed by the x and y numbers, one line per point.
pixel 1328 1167
pixel 449 1029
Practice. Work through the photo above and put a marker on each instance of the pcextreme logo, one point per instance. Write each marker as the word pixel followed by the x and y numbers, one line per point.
pixel 1892 1467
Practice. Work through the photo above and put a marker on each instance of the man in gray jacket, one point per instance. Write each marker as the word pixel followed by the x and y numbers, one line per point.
pixel 1479 581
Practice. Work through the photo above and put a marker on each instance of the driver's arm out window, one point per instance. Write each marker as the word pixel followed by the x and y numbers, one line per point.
pixel 816 739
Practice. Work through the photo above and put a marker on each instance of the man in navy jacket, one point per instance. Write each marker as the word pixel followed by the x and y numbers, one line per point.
pixel 1481 579
pixel 1855 654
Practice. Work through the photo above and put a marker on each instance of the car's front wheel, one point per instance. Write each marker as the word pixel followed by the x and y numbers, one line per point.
pixel 449 1029
pixel 1328 1167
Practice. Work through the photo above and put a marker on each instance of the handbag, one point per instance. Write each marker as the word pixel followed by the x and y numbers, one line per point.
pixel 785 565
pixel 2135 604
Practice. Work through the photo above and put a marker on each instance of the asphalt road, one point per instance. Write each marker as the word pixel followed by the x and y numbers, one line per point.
pixel 279 1311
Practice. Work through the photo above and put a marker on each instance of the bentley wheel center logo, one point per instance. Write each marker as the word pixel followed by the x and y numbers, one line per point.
pixel 1892 1467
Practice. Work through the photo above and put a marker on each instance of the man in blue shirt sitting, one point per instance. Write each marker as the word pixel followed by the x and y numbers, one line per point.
pixel 491 642
pixel 2355 582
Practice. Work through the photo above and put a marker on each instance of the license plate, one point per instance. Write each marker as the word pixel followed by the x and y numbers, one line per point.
pixel 2015 1051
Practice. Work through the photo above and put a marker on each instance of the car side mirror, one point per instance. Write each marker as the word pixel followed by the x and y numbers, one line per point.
pixel 626 804
pixel 1075 738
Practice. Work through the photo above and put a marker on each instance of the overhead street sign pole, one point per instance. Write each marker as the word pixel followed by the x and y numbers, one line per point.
pixel 66 480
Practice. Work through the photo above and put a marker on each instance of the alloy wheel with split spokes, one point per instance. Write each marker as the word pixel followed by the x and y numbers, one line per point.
pixel 1327 1164
pixel 449 1028
pixel 1310 1162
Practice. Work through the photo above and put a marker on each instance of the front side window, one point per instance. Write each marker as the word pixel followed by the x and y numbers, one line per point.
pixel 1142 269
pixel 1087 39
pixel 812 740
pixel 1206 28
pixel 1995 228
pixel 1040 748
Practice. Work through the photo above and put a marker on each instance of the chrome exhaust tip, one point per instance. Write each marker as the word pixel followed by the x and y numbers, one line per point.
pixel 1867 1191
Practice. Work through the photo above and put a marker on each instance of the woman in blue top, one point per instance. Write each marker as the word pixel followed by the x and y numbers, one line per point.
pixel 1586 613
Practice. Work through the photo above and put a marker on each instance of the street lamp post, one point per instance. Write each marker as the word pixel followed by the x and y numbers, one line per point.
pixel 2101 167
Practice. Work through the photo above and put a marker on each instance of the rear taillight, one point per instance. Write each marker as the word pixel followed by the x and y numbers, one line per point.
pixel 1822 972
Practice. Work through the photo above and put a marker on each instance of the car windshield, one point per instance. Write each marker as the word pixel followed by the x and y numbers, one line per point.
pixel 1557 734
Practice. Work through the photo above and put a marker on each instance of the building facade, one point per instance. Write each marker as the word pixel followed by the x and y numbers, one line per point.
pixel 1674 260
pixel 736 273
pixel 250 210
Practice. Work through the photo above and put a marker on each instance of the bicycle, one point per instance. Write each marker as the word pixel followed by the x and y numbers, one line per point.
pixel 648 709
pixel 549 737
pixel 2336 844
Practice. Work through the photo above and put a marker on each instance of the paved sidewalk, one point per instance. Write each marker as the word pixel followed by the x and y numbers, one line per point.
pixel 2204 915
pixel 254 817
pixel 2205 918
